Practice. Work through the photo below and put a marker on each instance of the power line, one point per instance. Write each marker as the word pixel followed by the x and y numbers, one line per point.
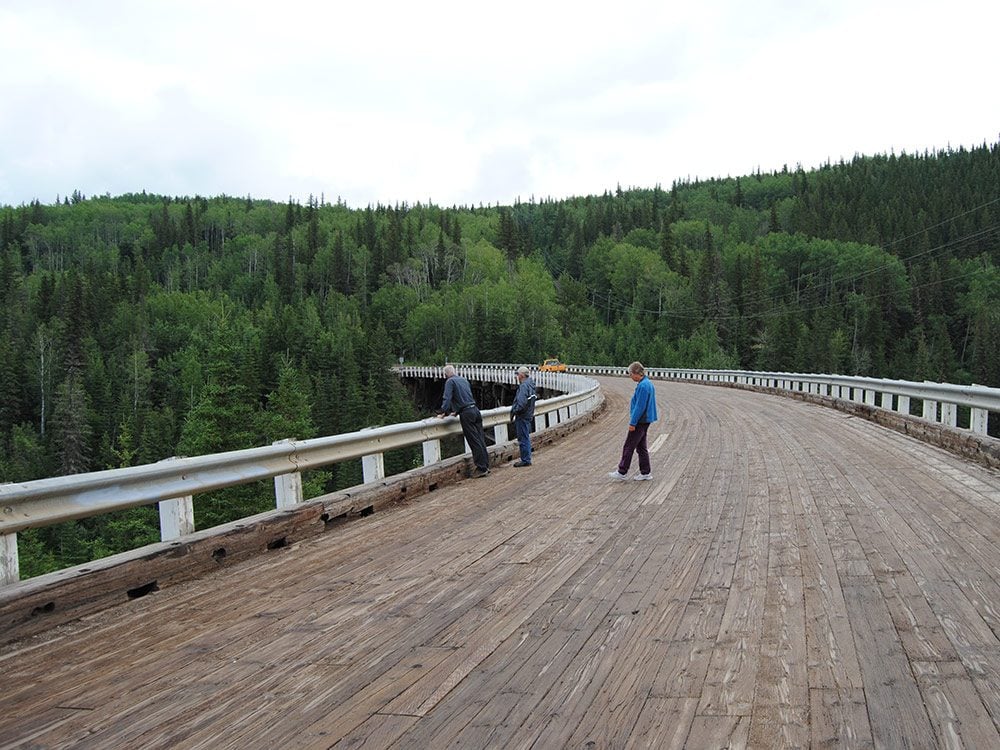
pixel 767 294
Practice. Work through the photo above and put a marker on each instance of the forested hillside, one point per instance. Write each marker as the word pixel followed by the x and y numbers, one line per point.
pixel 141 326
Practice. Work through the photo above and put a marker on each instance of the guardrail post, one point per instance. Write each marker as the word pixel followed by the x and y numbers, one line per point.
pixel 930 410
pixel 432 451
pixel 903 404
pixel 287 490
pixel 9 571
pixel 176 515
pixel 372 468
pixel 979 422
pixel 287 487
pixel 500 433
pixel 949 414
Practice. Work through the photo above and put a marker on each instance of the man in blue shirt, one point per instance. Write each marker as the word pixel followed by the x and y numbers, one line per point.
pixel 642 413
pixel 522 411
pixel 458 400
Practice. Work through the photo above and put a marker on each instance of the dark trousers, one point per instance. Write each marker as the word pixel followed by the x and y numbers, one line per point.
pixel 472 427
pixel 635 441
pixel 522 428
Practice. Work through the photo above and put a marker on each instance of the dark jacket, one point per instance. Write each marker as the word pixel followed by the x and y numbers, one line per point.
pixel 524 400
pixel 457 395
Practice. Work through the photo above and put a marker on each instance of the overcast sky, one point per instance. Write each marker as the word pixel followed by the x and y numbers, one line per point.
pixel 468 103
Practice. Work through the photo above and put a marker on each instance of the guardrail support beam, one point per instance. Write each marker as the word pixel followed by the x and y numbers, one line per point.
pixel 930 410
pixel 9 571
pixel 287 490
pixel 432 452
pixel 979 421
pixel 373 468
pixel 903 404
pixel 176 517
pixel 287 487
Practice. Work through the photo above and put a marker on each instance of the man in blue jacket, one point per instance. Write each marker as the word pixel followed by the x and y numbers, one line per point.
pixel 522 411
pixel 642 413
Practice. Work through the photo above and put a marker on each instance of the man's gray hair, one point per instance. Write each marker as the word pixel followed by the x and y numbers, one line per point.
pixel 636 368
pixel 449 370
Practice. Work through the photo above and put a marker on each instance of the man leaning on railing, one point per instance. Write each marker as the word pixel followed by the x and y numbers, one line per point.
pixel 458 400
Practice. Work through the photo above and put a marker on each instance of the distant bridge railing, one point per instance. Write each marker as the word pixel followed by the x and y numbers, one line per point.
pixel 935 402
pixel 173 482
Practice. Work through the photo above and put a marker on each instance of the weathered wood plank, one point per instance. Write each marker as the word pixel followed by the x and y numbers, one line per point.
pixel 663 723
pixel 790 577
pixel 890 687
pixel 839 718
pixel 728 731
pixel 960 719
pixel 781 702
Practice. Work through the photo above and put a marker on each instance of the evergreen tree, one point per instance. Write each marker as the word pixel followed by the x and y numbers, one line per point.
pixel 190 229
pixel 10 390
pixel 506 235
pixel 667 249
pixel 71 425
pixel 312 232
pixel 289 409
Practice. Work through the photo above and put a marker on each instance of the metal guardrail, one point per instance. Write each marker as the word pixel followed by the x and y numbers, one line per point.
pixel 935 402
pixel 173 482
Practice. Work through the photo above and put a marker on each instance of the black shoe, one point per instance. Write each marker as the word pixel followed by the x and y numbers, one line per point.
pixel 481 472
pixel 522 463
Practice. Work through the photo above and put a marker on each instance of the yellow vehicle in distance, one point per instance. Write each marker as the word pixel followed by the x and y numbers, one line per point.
pixel 552 365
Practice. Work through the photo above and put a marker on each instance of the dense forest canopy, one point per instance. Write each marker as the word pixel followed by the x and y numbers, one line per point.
pixel 143 326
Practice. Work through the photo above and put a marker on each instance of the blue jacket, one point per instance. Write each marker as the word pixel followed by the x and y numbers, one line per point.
pixel 524 400
pixel 643 407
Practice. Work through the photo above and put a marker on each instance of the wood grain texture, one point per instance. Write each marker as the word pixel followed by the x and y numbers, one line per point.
pixel 793 576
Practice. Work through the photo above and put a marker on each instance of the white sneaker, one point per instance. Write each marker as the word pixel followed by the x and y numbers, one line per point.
pixel 642 477
pixel 615 475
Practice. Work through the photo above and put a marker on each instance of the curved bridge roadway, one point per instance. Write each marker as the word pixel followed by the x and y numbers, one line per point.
pixel 792 577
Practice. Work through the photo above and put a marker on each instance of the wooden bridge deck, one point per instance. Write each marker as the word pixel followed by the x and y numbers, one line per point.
pixel 792 577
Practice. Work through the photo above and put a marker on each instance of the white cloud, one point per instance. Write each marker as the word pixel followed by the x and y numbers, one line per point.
pixel 398 101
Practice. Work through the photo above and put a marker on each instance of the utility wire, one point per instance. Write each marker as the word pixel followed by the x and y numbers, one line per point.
pixel 622 306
